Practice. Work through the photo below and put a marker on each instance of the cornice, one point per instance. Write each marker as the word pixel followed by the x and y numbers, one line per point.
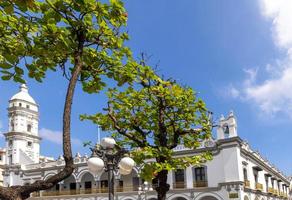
pixel 20 135
pixel 264 165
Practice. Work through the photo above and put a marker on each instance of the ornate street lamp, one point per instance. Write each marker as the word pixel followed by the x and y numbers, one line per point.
pixel 108 156
pixel 143 189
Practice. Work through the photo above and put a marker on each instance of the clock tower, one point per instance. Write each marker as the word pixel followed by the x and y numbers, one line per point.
pixel 22 139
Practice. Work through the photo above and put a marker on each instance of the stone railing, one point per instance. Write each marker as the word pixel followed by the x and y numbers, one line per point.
pixel 66 192
pixel 247 183
pixel 200 184
pixel 259 186
pixel 270 190
pixel 178 185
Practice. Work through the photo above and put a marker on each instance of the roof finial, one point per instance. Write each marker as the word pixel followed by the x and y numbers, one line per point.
pixel 23 88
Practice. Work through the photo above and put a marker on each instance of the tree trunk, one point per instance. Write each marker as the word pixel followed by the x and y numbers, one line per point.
pixel 162 186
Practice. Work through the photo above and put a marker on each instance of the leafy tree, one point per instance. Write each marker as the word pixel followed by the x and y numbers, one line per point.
pixel 84 38
pixel 153 117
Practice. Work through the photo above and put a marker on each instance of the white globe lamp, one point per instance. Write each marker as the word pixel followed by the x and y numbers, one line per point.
pixel 95 165
pixel 108 143
pixel 124 171
pixel 127 163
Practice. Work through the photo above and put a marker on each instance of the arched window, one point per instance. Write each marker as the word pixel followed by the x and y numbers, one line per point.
pixel 200 176
pixel 87 183
pixel 246 198
pixel 226 131
pixel 70 185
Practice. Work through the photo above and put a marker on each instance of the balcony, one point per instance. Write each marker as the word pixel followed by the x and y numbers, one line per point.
pixel 178 185
pixel 200 184
pixel 246 183
pixel 270 190
pixel 259 187
pixel 67 192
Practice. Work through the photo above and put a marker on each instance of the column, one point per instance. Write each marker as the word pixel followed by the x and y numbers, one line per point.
pixel 189 177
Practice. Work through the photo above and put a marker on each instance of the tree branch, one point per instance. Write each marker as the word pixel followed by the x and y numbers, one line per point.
pixel 124 133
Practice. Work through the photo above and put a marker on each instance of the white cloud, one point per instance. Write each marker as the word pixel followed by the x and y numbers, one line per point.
pixel 273 96
pixel 231 91
pixel 56 137
pixel 279 11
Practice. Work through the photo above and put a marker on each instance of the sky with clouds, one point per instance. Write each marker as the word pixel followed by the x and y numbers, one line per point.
pixel 236 54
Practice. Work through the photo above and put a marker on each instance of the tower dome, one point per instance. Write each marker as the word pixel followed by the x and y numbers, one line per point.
pixel 23 95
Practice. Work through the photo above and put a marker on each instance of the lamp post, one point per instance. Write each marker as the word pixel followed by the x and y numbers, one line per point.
pixel 143 189
pixel 108 156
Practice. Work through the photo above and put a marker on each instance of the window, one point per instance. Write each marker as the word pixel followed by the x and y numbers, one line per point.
pixel 87 187
pixel 0 157
pixel 103 185
pixel 120 186
pixel 20 104
pixel 245 174
pixel 179 177
pixel 10 159
pixel 200 177
pixel 72 187
pixel 12 126
pixel 27 106
pixel 10 143
pixel 267 183
pixel 256 177
pixel 58 187
pixel 136 183
pixel 29 144
pixel 226 131
pixel 29 128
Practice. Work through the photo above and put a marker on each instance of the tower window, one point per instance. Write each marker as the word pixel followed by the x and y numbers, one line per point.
pixel 10 143
pixel 226 131
pixel 12 126
pixel 10 159
pixel 29 143
pixel 28 128
pixel 27 106
pixel 20 104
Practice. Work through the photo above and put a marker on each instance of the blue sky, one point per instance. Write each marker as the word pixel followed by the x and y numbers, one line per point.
pixel 236 54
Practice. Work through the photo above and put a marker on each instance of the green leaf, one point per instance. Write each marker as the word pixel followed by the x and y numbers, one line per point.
pixel 9 9
pixel 6 77
pixel 18 70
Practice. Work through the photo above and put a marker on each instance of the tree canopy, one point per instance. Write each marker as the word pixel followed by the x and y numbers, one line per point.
pixel 153 117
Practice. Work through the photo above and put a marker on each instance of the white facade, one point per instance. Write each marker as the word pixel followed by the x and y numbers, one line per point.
pixel 236 171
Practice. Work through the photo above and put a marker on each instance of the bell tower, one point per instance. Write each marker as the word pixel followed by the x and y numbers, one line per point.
pixel 227 127
pixel 22 139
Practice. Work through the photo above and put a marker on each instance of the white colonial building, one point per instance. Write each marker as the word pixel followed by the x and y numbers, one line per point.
pixel 236 171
